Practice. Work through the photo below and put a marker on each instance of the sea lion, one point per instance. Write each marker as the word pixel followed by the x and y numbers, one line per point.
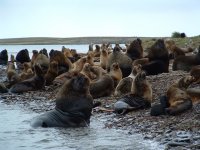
pixel 73 105
pixel 140 97
pixel 115 73
pixel 3 88
pixel 104 86
pixel 12 75
pixel 64 64
pixel 87 71
pixel 176 100
pixel 124 61
pixel 186 62
pixel 124 86
pixel 103 58
pixel 43 61
pixel 52 72
pixel 158 57
pixel 23 56
pixel 44 51
pixel 135 50
pixel 35 83
pixel 4 57
pixel 78 65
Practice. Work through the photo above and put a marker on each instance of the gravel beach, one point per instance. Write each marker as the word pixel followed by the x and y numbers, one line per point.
pixel 174 132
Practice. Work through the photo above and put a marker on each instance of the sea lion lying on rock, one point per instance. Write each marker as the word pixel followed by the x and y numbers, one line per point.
pixel 140 97
pixel 35 83
pixel 176 100
pixel 73 105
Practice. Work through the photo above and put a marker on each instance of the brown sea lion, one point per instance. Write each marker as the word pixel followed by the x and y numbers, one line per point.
pixel 78 65
pixel 73 105
pixel 52 72
pixel 103 58
pixel 87 71
pixel 124 86
pixel 186 62
pixel 140 97
pixel 64 64
pixel 115 73
pixel 12 75
pixel 35 83
pixel 176 100
pixel 102 87
pixel 43 61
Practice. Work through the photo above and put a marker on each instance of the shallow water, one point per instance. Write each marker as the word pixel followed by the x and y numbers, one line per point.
pixel 17 134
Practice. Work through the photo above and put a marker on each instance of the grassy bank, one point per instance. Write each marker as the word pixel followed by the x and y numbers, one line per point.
pixel 193 42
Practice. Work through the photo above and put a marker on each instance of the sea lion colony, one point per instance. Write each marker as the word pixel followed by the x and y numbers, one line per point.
pixel 108 71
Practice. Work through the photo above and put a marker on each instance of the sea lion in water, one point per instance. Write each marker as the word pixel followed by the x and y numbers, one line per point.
pixel 140 97
pixel 35 83
pixel 73 105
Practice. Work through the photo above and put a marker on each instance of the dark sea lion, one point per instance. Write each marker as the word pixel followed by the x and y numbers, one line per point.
pixel 35 83
pixel 158 56
pixel 3 57
pixel 73 105
pixel 186 62
pixel 3 88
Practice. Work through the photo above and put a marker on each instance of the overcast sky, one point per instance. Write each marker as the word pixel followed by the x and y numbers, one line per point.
pixel 77 18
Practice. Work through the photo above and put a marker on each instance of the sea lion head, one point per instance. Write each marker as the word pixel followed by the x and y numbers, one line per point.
pixel 80 83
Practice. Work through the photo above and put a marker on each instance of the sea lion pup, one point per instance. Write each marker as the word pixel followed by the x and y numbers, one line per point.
pixel 158 57
pixel 52 72
pixel 176 99
pixel 115 73
pixel 103 58
pixel 35 83
pixel 135 50
pixel 12 75
pixel 186 62
pixel 64 64
pixel 140 97
pixel 3 57
pixel 73 105
pixel 104 86
pixel 124 86
pixel 43 61
pixel 125 62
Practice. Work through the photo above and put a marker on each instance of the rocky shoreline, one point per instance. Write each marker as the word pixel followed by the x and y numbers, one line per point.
pixel 174 132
